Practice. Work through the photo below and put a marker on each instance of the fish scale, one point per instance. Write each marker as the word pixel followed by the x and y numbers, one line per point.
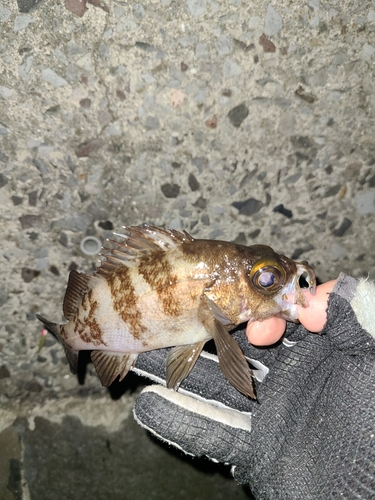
pixel 159 288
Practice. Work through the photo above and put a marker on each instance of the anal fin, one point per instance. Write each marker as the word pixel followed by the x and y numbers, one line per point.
pixel 180 361
pixel 110 365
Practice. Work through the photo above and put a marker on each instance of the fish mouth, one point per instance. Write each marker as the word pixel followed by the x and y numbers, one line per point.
pixel 292 295
pixel 306 275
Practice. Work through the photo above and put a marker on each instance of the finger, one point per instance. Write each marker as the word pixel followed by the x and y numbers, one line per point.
pixel 314 317
pixel 267 332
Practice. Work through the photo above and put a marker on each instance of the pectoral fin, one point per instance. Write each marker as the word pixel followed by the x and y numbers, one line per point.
pixel 231 359
pixel 180 361
pixel 109 365
pixel 217 313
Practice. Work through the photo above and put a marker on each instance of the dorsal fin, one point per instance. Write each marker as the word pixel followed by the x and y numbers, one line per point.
pixel 78 285
pixel 138 241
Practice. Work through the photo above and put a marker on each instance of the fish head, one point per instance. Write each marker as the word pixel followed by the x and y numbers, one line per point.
pixel 281 282
pixel 256 283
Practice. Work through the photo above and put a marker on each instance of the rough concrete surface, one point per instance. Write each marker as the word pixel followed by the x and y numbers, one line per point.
pixel 246 121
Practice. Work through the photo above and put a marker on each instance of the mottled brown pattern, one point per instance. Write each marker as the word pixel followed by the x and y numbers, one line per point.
pixel 125 300
pixel 89 330
pixel 157 270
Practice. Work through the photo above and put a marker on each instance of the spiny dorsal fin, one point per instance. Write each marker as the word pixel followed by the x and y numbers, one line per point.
pixel 78 285
pixel 109 365
pixel 137 242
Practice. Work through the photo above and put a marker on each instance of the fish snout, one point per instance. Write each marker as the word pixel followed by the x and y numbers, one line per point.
pixel 306 277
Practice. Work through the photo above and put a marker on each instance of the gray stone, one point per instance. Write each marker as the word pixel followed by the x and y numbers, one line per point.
pixel 126 24
pixel 201 51
pixel 21 22
pixel 338 251
pixel 5 92
pixel 5 13
pixel 320 77
pixel 282 102
pixel 114 129
pixel 367 52
pixel 224 46
pixel 152 123
pixel 365 202
pixel 231 69
pixel 25 68
pixel 197 8
pixel 286 124
pixel 50 76
pixel 138 11
pixel 273 23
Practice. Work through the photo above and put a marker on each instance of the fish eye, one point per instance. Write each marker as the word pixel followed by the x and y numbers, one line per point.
pixel 267 278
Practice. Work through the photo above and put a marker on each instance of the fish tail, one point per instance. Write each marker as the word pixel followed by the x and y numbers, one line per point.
pixel 55 329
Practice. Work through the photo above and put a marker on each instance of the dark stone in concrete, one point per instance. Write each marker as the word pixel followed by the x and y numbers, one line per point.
pixel 4 372
pixel 238 114
pixel 17 200
pixel 89 148
pixel 3 180
pixel 28 221
pixel 193 182
pixel 33 198
pixel 27 5
pixel 248 207
pixel 332 190
pixel 201 203
pixel 284 211
pixel 29 274
pixel 254 234
pixel 341 229
pixel 107 225
pixel 170 190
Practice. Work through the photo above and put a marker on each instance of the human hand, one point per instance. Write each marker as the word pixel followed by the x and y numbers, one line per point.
pixel 311 435
pixel 313 318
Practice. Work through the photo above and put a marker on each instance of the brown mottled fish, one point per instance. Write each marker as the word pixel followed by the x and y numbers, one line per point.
pixel 160 287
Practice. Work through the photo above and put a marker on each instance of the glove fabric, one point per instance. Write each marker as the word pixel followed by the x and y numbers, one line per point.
pixel 312 433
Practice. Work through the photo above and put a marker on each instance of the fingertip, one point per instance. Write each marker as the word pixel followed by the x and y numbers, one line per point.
pixel 267 332
pixel 314 317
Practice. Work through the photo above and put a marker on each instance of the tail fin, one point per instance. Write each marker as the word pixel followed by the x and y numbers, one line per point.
pixel 55 329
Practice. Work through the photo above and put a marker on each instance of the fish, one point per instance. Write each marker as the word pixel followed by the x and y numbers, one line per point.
pixel 156 288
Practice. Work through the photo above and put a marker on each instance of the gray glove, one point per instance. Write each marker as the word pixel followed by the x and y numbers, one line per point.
pixel 312 434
